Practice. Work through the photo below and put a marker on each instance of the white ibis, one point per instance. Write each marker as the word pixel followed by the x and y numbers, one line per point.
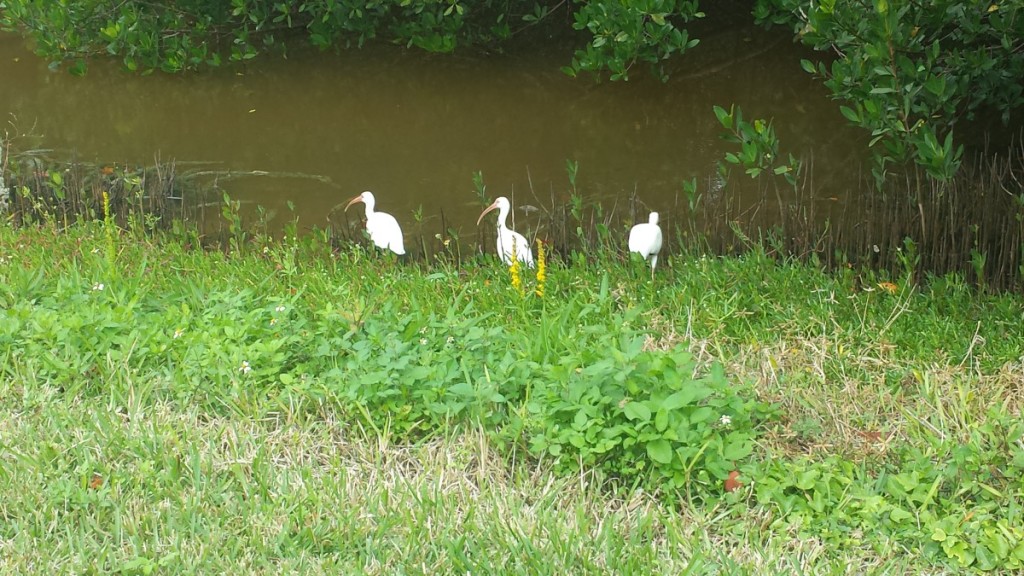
pixel 507 238
pixel 645 239
pixel 383 228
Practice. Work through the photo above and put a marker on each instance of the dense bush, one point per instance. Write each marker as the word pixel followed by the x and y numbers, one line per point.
pixel 912 72
pixel 187 35
pixel 631 411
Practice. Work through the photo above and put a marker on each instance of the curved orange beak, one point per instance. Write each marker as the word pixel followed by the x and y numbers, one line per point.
pixel 486 210
pixel 353 201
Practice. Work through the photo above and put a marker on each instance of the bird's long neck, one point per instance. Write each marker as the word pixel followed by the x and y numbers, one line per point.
pixel 369 207
pixel 502 217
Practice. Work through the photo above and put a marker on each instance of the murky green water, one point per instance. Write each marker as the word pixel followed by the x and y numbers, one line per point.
pixel 413 128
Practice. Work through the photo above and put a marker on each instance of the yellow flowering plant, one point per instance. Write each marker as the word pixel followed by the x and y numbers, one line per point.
pixel 514 272
pixel 541 269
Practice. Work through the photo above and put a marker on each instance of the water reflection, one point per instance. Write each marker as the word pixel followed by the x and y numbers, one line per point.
pixel 414 127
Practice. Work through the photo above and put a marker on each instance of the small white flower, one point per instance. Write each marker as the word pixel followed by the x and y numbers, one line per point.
pixel 266 249
pixel 97 286
pixel 423 341
pixel 725 420
pixel 245 369
pixel 450 340
pixel 273 321
pixel 178 333
pixel 279 309
pixel 95 251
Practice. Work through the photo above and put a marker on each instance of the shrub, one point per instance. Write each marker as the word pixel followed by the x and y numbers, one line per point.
pixel 633 412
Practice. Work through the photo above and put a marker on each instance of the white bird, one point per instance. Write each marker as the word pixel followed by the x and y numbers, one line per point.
pixel 383 228
pixel 645 239
pixel 507 238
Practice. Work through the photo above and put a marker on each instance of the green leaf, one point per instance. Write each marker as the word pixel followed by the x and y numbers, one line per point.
pixel 986 561
pixel 936 85
pixel 660 451
pixel 679 399
pixel 898 515
pixel 661 419
pixel 808 66
pixel 580 420
pixel 724 118
pixel 850 114
pixel 737 448
pixel 702 414
pixel 637 411
pixel 806 479
pixel 462 389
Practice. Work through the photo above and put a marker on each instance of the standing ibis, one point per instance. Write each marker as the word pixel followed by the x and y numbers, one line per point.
pixel 645 240
pixel 383 228
pixel 508 238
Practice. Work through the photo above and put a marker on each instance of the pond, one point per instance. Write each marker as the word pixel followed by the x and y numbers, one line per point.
pixel 320 127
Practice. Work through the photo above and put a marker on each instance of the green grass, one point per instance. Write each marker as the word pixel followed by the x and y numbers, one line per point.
pixel 297 409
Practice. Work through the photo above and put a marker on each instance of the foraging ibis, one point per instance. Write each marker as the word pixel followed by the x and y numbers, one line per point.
pixel 383 228
pixel 645 239
pixel 508 238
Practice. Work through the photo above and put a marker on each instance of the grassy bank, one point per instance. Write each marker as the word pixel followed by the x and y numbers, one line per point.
pixel 295 408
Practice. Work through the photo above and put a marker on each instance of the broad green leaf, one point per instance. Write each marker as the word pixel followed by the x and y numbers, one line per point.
pixel 805 480
pixel 661 419
pixel 693 392
pixel 850 114
pixel 936 85
pixel 660 451
pixel 899 515
pixel 725 118
pixel 637 411
pixel 737 448
pixel 702 414
pixel 462 389
pixel 580 420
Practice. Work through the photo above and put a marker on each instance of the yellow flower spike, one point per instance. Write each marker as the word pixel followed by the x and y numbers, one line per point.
pixel 541 269
pixel 517 281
